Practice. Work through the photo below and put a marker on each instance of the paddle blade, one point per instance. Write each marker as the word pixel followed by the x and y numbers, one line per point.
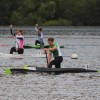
pixel 26 67
pixel 8 71
pixel 98 71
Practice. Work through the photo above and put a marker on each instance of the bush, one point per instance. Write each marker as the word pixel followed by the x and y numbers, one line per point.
pixel 59 22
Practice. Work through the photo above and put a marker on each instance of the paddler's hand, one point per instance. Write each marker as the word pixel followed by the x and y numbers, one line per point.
pixel 36 25
pixel 45 50
pixel 11 26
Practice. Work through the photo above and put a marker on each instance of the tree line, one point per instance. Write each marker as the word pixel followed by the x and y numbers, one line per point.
pixel 50 12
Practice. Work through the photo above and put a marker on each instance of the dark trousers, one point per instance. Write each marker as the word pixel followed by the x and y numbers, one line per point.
pixel 39 42
pixel 57 62
pixel 13 49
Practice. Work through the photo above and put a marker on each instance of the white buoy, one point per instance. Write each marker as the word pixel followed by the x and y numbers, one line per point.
pixel 74 56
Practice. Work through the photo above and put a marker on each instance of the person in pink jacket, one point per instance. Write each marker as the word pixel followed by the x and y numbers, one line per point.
pixel 19 42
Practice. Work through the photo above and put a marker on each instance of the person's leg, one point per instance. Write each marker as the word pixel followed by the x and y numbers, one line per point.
pixel 37 42
pixel 20 51
pixel 58 61
pixel 13 49
pixel 58 64
pixel 42 44
pixel 51 63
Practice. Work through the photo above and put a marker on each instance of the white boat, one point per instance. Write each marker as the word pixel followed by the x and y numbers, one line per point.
pixel 6 55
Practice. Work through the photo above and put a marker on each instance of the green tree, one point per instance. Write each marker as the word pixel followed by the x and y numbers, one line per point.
pixel 4 12
pixel 50 12
pixel 25 14
pixel 47 11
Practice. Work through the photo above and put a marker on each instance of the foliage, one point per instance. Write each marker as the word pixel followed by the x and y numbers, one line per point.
pixel 59 22
pixel 50 12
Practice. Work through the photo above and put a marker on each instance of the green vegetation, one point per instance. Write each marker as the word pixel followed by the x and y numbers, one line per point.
pixel 50 12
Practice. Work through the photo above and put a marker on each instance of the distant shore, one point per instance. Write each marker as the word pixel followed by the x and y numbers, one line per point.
pixel 56 30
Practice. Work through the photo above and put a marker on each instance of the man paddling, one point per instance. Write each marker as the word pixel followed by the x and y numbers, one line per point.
pixel 19 41
pixel 55 50
pixel 40 36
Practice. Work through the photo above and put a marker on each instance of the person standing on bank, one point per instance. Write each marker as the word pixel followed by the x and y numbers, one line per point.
pixel 55 50
pixel 40 36
pixel 19 47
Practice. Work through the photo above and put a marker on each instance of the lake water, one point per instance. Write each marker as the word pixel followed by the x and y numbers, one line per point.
pixel 68 86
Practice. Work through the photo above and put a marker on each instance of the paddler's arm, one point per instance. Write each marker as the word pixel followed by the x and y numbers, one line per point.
pixel 49 53
pixel 11 30
pixel 51 49
pixel 36 27
pixel 49 57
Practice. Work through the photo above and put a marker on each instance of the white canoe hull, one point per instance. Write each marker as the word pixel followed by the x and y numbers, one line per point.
pixel 5 55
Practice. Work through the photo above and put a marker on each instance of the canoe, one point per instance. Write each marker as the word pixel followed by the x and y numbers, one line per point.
pixel 6 55
pixel 29 46
pixel 47 70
